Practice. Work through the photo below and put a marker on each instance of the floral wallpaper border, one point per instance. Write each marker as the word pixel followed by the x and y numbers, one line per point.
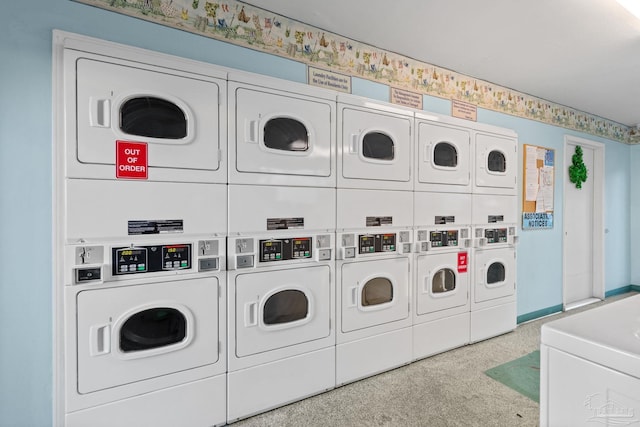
pixel 248 26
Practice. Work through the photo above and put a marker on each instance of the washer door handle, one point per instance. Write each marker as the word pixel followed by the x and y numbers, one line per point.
pixel 251 314
pixel 354 296
pixel 100 339
pixel 353 147
pixel 251 131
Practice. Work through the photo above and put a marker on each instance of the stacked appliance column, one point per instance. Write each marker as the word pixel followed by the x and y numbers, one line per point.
pixel 143 260
pixel 374 221
pixel 281 282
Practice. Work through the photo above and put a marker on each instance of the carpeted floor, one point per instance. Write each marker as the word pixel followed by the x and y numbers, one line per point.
pixel 449 389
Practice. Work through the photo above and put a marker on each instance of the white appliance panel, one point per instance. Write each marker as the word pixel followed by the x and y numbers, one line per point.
pixel 444 158
pixel 251 207
pixel 503 207
pixel 101 209
pixel 494 273
pixel 356 206
pixel 429 205
pixel 101 314
pixel 496 167
pixel 281 137
pixel 389 300
pixel 104 87
pixel 376 146
pixel 260 327
pixel 439 285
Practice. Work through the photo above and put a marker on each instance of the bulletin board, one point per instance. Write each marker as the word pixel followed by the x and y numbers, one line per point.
pixel 538 187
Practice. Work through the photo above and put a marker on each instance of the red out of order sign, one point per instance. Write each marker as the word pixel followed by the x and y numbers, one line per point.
pixel 131 160
pixel 463 261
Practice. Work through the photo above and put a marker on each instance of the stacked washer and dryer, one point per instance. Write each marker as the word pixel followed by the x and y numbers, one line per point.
pixel 143 261
pixel 281 279
pixel 282 240
pixel 374 222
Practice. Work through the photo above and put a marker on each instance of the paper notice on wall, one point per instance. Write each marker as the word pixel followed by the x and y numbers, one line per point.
pixel 546 185
pixel 531 175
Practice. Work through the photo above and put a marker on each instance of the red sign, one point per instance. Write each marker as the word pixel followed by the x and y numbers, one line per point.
pixel 463 260
pixel 131 160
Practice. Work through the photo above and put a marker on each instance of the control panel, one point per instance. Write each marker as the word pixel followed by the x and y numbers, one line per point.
pixel 495 235
pixel 286 249
pixel 374 243
pixel 152 258
pixel 441 239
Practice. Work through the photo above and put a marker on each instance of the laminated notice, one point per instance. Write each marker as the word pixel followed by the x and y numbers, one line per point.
pixel 377 221
pixel 284 223
pixel 137 227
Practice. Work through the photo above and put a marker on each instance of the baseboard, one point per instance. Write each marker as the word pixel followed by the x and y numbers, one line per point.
pixel 539 313
pixel 622 290
pixel 558 308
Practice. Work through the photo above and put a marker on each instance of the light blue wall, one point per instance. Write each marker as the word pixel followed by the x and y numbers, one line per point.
pixel 26 185
pixel 635 213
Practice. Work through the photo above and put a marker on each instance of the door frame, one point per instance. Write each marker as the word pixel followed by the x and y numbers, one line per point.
pixel 597 175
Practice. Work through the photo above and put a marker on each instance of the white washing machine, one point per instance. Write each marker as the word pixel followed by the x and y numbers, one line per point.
pixel 280 133
pixel 590 367
pixel 373 271
pixel 442 238
pixel 496 161
pixel 443 154
pixel 374 144
pixel 135 114
pixel 281 287
pixel 144 304
pixel 493 282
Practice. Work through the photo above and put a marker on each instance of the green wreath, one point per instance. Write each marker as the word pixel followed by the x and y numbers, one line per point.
pixel 578 170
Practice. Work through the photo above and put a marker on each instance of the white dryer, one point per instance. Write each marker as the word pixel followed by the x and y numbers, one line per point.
pixel 441 293
pixel 134 114
pixel 373 271
pixel 493 284
pixel 496 161
pixel 144 304
pixel 280 133
pixel 443 154
pixel 374 144
pixel 590 367
pixel 281 287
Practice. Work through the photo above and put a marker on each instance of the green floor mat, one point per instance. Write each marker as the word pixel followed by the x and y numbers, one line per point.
pixel 522 375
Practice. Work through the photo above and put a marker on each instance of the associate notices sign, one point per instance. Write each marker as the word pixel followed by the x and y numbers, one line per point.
pixel 131 160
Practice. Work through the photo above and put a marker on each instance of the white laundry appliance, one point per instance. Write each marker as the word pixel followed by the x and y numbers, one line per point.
pixel 496 160
pixel 374 144
pixel 280 132
pixel 590 367
pixel 442 238
pixel 493 261
pixel 141 220
pixel 373 273
pixel 281 287
pixel 144 304
pixel 134 114
pixel 443 154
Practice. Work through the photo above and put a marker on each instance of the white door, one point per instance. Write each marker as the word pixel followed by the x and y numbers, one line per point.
pixel 132 333
pixel 281 308
pixel 176 115
pixel 439 285
pixel 282 134
pixel 375 145
pixel 494 274
pixel 374 293
pixel 444 156
pixel 496 166
pixel 582 244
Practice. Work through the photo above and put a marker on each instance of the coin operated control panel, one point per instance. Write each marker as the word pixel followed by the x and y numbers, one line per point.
pixel 251 252
pixel 353 245
pixel 428 240
pixel 496 236
pixel 94 264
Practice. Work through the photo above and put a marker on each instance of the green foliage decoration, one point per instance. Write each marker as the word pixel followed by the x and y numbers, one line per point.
pixel 577 170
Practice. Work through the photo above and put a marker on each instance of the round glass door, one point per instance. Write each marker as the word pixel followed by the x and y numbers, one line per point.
pixel 286 134
pixel 153 118
pixel 378 146
pixel 153 328
pixel 497 162
pixel 445 155
pixel 285 306
pixel 444 280
pixel 377 291
pixel 496 273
